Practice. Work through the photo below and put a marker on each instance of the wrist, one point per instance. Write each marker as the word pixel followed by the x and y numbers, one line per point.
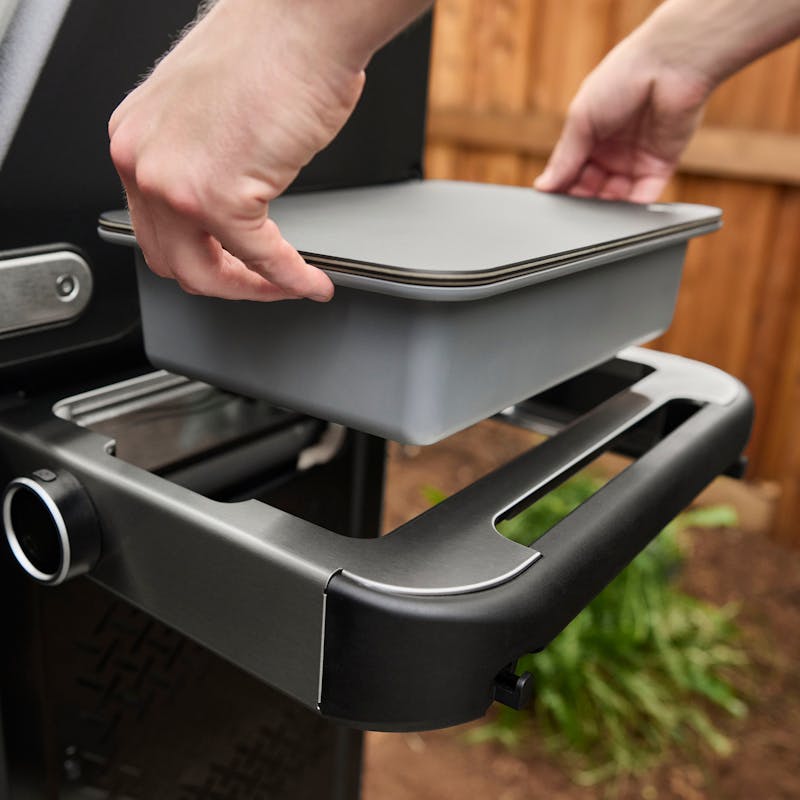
pixel 332 29
pixel 664 52
pixel 346 31
pixel 293 33
pixel 711 40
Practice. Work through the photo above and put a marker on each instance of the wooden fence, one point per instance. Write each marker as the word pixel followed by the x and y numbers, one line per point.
pixel 503 73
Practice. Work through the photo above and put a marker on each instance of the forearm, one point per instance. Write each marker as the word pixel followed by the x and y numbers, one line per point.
pixel 715 38
pixel 362 26
pixel 348 30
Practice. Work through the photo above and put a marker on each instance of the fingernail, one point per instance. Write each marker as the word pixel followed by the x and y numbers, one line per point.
pixel 543 180
pixel 321 298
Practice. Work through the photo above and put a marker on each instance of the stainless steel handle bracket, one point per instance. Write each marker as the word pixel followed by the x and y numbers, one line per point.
pixel 42 289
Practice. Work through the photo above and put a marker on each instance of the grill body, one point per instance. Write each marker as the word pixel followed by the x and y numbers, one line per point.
pixel 99 699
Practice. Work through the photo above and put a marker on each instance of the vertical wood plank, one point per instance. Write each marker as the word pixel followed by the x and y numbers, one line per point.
pixel 440 161
pixel 571 39
pixel 451 59
pixel 777 305
pixel 501 43
pixel 763 95
pixel 450 73
pixel 629 14
pixel 774 374
pixel 716 310
pixel 781 456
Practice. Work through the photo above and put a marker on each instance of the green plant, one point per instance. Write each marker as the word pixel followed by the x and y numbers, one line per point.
pixel 635 672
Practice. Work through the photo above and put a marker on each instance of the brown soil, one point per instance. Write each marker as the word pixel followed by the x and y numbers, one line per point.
pixel 741 566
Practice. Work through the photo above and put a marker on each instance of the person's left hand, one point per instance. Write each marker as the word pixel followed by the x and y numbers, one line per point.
pixel 627 126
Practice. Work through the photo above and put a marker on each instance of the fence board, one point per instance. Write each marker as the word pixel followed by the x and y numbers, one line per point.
pixel 762 96
pixel 629 15
pixel 764 156
pixel 775 360
pixel 451 59
pixel 572 37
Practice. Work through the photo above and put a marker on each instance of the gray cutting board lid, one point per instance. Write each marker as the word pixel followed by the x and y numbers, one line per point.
pixel 458 234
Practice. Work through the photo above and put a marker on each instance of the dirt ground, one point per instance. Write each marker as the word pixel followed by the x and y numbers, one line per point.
pixel 741 566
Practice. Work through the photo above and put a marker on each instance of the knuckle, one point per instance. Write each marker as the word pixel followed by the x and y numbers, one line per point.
pixel 247 207
pixel 123 153
pixel 189 284
pixel 184 200
pixel 154 264
pixel 149 177
pixel 286 254
pixel 194 281
pixel 157 269
pixel 576 110
pixel 154 181
pixel 113 125
pixel 251 207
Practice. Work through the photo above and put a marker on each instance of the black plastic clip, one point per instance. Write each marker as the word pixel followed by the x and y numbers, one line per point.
pixel 512 690
pixel 738 469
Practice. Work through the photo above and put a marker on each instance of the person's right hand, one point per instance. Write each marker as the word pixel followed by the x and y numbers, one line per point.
pixel 219 129
pixel 626 127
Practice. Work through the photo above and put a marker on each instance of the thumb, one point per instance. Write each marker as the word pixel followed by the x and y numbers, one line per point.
pixel 262 249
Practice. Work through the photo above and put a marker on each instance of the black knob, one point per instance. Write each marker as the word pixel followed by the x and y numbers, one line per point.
pixel 51 525
pixel 514 691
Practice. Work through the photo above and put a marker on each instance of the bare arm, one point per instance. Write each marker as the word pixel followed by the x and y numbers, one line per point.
pixel 635 113
pixel 223 125
pixel 718 37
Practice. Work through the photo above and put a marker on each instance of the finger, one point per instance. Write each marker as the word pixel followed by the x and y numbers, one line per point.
pixel 177 248
pixel 146 237
pixel 201 266
pixel 616 187
pixel 648 189
pixel 262 249
pixel 589 182
pixel 579 191
pixel 568 158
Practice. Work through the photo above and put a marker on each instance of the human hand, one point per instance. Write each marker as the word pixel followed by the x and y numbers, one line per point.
pixel 626 127
pixel 635 113
pixel 219 129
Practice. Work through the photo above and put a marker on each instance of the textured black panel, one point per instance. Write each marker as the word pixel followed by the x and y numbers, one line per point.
pixel 139 711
